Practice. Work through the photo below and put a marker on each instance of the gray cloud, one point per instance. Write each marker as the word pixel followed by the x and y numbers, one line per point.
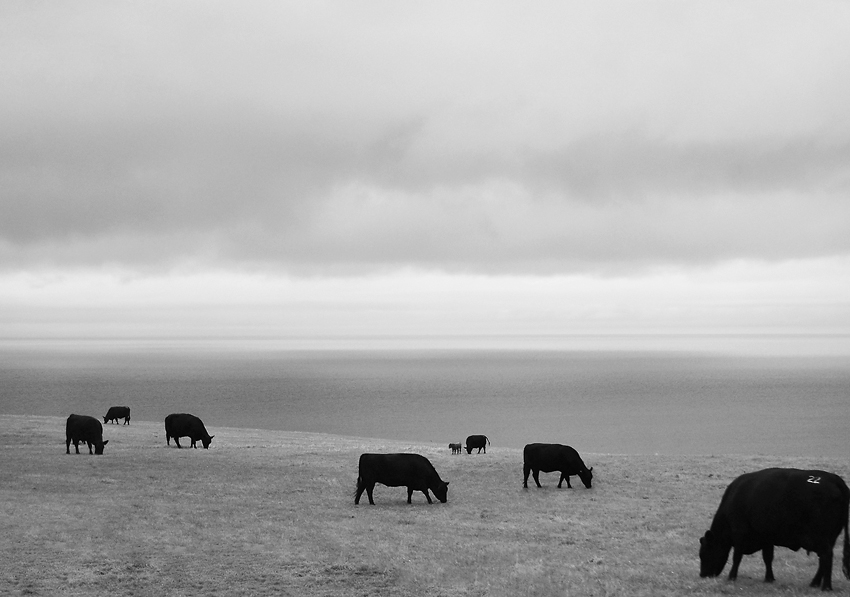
pixel 363 139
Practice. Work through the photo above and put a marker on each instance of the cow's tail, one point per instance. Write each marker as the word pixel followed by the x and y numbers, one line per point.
pixel 487 438
pixel 356 489
pixel 846 559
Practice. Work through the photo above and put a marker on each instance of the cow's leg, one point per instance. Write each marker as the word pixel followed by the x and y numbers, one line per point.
pixel 427 495
pixel 737 554
pixel 526 470
pixel 67 445
pixel 194 445
pixel 77 446
pixel 767 556
pixel 536 474
pixel 89 445
pixel 561 480
pixel 567 477
pixel 369 488
pixel 177 441
pixel 823 577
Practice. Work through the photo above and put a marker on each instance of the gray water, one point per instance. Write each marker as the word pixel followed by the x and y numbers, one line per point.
pixel 596 401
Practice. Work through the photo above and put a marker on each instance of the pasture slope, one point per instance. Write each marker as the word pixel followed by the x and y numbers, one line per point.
pixel 272 513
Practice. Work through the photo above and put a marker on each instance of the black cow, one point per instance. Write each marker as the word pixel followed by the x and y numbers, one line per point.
pixel 82 428
pixel 455 448
pixel 554 457
pixel 476 441
pixel 395 470
pixel 183 425
pixel 117 412
pixel 778 506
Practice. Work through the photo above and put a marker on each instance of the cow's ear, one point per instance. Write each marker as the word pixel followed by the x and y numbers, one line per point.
pixel 212 436
pixel 447 482
pixel 590 469
pixel 106 441
pixel 707 539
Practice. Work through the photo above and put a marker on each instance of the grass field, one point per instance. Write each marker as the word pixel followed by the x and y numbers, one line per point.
pixel 272 513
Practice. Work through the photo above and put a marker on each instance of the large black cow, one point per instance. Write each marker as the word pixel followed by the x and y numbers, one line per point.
pixel 82 428
pixel 395 470
pixel 554 457
pixel 117 412
pixel 179 425
pixel 476 441
pixel 778 506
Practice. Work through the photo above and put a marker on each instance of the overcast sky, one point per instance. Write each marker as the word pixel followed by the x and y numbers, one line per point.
pixel 403 168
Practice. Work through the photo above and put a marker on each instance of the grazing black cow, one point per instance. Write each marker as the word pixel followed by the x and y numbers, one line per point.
pixel 554 457
pixel 476 441
pixel 778 506
pixel 456 448
pixel 82 428
pixel 395 470
pixel 117 412
pixel 183 425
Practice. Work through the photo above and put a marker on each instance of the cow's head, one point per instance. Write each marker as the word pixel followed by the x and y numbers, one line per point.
pixel 713 554
pixel 442 491
pixel 207 441
pixel 98 446
pixel 586 476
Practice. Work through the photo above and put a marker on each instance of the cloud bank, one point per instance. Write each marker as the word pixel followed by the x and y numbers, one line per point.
pixel 488 138
pixel 325 169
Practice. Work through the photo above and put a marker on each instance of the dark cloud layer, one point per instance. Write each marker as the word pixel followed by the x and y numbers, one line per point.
pixel 346 139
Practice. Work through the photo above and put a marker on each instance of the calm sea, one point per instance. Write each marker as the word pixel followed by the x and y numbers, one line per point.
pixel 610 401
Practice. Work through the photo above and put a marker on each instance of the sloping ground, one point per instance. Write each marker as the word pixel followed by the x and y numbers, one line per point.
pixel 272 513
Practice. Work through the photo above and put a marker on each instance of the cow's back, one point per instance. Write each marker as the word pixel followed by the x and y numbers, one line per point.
pixel 396 469
pixel 84 428
pixel 550 457
pixel 182 424
pixel 786 507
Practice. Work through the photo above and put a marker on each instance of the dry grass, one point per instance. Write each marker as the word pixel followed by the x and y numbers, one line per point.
pixel 272 513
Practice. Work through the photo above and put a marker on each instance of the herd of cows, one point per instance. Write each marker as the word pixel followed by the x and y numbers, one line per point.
pixel 88 430
pixel 797 509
